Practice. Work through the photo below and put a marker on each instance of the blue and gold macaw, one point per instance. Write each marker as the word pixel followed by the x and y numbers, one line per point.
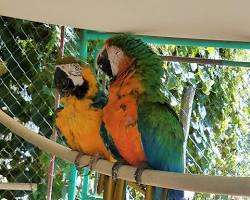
pixel 81 116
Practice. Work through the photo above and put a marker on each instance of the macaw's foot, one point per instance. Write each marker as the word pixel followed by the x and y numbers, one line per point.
pixel 139 171
pixel 94 159
pixel 79 167
pixel 77 160
pixel 117 165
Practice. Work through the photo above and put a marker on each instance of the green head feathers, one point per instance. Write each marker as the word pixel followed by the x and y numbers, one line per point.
pixel 148 65
pixel 135 48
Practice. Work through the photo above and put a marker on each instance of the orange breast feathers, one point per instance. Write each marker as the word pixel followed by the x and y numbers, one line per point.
pixel 120 118
pixel 79 122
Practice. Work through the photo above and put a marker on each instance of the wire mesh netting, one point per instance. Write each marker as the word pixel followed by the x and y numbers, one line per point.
pixel 27 51
pixel 218 141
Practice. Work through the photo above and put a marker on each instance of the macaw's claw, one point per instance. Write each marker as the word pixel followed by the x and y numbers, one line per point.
pixel 77 159
pixel 79 168
pixel 117 165
pixel 139 171
pixel 94 159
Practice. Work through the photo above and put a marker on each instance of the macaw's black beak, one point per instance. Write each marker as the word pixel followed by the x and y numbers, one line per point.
pixel 63 84
pixel 104 63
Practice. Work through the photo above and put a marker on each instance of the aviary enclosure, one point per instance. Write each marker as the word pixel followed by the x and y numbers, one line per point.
pixel 215 75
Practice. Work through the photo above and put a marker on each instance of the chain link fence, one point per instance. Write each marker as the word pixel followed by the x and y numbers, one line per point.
pixel 219 138
pixel 27 53
pixel 218 142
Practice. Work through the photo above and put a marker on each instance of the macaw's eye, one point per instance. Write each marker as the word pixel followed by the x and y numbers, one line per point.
pixel 76 67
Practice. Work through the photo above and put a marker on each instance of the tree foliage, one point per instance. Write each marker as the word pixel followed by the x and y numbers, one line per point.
pixel 218 141
pixel 28 51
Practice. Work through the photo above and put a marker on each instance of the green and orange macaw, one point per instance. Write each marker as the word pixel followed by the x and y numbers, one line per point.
pixel 137 118
pixel 80 118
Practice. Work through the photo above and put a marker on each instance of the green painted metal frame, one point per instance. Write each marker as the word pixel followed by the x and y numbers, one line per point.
pixel 84 193
pixel 94 35
pixel 72 182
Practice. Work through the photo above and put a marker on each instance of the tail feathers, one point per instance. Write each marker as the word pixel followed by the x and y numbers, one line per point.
pixel 158 192
pixel 171 194
pixel 175 195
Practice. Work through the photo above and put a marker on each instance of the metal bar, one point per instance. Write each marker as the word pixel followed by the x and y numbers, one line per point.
pixel 18 186
pixel 84 45
pixel 72 182
pixel 205 61
pixel 84 193
pixel 94 35
pixel 54 131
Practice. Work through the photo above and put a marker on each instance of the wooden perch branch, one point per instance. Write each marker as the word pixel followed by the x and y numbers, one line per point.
pixel 18 186
pixel 239 186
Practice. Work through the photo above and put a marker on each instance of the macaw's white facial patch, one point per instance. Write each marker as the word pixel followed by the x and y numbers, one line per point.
pixel 73 71
pixel 115 55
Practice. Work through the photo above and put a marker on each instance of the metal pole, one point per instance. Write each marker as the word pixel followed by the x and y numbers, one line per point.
pixel 72 182
pixel 54 132
pixel 84 45
pixel 84 193
pixel 205 61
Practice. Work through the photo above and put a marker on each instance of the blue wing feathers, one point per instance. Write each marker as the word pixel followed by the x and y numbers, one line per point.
pixel 163 138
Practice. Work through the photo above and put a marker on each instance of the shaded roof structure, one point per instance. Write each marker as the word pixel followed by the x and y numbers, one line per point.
pixel 226 20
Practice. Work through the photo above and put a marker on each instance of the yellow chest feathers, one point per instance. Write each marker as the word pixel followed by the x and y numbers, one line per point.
pixel 79 122
pixel 76 111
